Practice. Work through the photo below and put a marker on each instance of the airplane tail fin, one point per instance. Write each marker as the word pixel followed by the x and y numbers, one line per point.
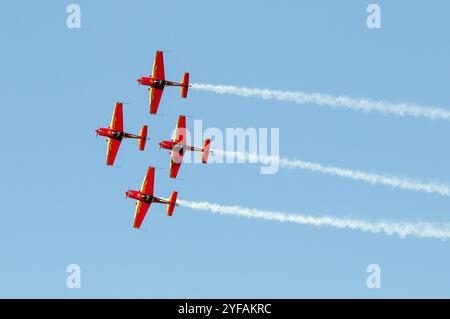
pixel 185 85
pixel 143 137
pixel 205 150
pixel 172 203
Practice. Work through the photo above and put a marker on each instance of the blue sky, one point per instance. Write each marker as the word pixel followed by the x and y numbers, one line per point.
pixel 61 204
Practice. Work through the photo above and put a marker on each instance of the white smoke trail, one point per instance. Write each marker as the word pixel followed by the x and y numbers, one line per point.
pixel 395 182
pixel 299 97
pixel 402 229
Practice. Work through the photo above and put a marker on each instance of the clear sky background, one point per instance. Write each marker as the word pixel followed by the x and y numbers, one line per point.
pixel 61 204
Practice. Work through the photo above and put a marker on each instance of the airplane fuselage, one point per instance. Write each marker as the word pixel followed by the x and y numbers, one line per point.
pixel 153 82
pixel 145 198
pixel 173 146
pixel 118 135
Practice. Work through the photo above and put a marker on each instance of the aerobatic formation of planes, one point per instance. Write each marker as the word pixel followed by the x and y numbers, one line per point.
pixel 177 145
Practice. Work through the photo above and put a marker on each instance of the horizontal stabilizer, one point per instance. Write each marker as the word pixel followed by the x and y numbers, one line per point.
pixel 185 85
pixel 143 137
pixel 172 203
pixel 205 150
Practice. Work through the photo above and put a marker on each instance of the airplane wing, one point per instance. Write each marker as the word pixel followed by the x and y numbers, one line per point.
pixel 117 118
pixel 178 151
pixel 180 131
pixel 111 151
pixel 158 66
pixel 174 167
pixel 139 215
pixel 176 159
pixel 155 97
pixel 148 182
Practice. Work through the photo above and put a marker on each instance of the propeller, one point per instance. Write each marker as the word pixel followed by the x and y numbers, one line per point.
pixel 126 194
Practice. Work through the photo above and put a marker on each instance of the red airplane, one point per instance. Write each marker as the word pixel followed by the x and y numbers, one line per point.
pixel 177 147
pixel 114 132
pixel 157 82
pixel 145 198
